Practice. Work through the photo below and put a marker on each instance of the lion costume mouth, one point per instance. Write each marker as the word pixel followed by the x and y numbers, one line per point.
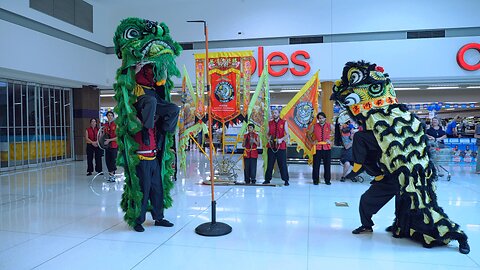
pixel 155 48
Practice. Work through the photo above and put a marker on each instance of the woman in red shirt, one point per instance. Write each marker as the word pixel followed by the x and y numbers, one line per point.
pixel 111 151
pixel 250 154
pixel 93 150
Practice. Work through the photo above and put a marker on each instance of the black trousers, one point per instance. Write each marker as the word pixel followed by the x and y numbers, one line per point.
pixel 151 107
pixel 111 159
pixel 149 174
pixel 281 157
pixel 379 194
pixel 326 156
pixel 250 170
pixel 92 152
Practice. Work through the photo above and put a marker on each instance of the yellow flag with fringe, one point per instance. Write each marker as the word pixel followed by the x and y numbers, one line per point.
pixel 300 114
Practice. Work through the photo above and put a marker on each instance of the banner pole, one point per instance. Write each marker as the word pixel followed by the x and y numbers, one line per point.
pixel 212 228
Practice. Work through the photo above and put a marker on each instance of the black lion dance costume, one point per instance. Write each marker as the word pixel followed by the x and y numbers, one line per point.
pixel 369 97
pixel 146 118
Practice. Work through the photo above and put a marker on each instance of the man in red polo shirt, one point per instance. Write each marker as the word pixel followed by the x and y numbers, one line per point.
pixel 250 154
pixel 277 147
pixel 322 130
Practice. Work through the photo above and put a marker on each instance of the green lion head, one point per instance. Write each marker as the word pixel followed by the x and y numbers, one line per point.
pixel 140 41
pixel 363 87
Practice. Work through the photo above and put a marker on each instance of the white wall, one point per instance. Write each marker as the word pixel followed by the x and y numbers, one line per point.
pixel 31 52
pixel 102 34
pixel 277 18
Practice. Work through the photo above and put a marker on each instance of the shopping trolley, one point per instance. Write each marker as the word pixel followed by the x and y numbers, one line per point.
pixel 440 155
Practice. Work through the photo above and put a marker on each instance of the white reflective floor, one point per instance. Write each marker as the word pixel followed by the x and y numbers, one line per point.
pixel 51 218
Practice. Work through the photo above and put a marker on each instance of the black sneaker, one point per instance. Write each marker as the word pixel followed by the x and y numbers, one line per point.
pixel 362 229
pixel 266 182
pixel 328 183
pixel 89 173
pixel 139 228
pixel 389 228
pixel 163 223
pixel 286 183
pixel 342 179
pixel 463 247
pixel 315 183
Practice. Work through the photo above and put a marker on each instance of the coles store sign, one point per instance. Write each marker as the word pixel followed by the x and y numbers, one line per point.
pixel 280 64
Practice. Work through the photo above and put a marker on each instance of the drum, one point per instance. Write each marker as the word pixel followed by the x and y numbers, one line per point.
pixel 102 136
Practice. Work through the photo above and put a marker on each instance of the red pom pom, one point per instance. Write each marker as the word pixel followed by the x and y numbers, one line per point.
pixel 379 68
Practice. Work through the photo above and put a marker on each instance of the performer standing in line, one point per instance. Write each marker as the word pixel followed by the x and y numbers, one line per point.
pixel 277 147
pixel 250 154
pixel 92 148
pixel 111 151
pixel 322 130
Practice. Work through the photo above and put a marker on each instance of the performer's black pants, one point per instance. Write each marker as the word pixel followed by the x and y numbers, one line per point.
pixel 92 152
pixel 111 159
pixel 149 174
pixel 250 170
pixel 151 107
pixel 379 193
pixel 281 157
pixel 326 156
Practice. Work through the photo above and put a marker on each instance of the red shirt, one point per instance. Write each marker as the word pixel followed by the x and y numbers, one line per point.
pixel 110 129
pixel 92 133
pixel 322 134
pixel 145 76
pixel 250 151
pixel 276 130
pixel 142 146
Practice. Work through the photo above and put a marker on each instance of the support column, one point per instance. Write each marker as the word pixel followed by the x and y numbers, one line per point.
pixel 327 104
pixel 86 105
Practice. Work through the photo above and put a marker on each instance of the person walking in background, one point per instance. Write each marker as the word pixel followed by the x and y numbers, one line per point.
pixel 250 154
pixel 477 136
pixel 344 138
pixel 451 129
pixel 112 147
pixel 93 150
pixel 322 130
pixel 277 147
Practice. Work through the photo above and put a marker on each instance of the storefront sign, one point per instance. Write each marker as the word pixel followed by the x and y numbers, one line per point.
pixel 461 57
pixel 295 64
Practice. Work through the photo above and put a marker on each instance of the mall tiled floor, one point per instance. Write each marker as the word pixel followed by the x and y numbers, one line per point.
pixel 55 217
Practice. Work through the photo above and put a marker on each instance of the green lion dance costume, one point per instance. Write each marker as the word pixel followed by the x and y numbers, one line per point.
pixel 139 42
pixel 369 97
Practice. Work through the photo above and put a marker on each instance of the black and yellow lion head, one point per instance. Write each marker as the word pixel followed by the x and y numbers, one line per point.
pixel 363 87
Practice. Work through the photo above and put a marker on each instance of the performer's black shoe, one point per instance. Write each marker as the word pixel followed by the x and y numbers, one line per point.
pixel 145 137
pixel 342 179
pixel 89 173
pixel 266 182
pixel 286 183
pixel 315 182
pixel 328 183
pixel 163 223
pixel 362 229
pixel 254 181
pixel 247 182
pixel 463 247
pixel 351 175
pixel 139 228
pixel 389 228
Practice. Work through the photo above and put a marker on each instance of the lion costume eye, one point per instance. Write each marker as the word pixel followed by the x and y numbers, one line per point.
pixel 355 76
pixel 375 90
pixel 131 33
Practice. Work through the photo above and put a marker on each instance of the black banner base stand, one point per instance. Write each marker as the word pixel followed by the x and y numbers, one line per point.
pixel 213 228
